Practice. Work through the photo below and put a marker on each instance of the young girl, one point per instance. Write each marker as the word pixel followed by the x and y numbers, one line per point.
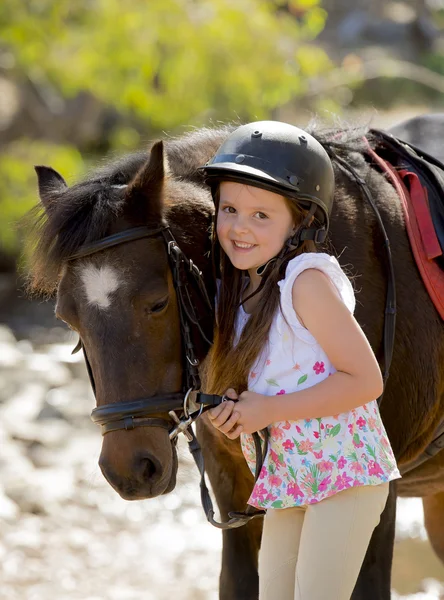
pixel 290 357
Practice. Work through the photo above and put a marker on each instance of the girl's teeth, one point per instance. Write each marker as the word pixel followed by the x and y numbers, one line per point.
pixel 239 245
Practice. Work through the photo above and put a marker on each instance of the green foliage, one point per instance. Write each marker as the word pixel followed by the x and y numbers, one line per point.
pixel 435 61
pixel 18 181
pixel 169 62
pixel 160 63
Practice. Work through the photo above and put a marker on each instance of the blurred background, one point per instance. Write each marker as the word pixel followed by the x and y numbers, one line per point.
pixel 81 82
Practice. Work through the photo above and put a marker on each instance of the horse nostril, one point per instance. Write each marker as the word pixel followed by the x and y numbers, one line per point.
pixel 146 467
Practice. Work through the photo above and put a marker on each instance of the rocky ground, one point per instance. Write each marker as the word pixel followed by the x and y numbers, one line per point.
pixel 66 535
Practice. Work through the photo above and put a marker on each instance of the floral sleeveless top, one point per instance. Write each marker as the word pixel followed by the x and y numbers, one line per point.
pixel 311 459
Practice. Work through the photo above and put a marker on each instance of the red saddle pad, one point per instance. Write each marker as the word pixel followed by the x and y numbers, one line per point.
pixel 420 230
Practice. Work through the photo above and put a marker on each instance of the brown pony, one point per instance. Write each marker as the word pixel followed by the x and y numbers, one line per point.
pixel 123 304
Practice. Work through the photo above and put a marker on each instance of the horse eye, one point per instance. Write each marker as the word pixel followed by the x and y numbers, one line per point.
pixel 159 306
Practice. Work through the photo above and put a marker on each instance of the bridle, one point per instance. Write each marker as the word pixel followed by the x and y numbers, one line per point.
pixel 138 413
pixel 129 415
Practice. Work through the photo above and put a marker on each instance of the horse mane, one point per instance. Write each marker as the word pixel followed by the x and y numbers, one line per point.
pixel 85 212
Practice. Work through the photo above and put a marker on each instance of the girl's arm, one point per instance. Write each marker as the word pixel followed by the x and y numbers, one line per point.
pixel 358 378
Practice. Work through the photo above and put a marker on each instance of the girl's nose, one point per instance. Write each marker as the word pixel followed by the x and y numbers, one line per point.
pixel 239 225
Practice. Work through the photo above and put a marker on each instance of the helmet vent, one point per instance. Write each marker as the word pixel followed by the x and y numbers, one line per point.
pixel 293 180
pixel 303 139
pixel 256 134
pixel 240 158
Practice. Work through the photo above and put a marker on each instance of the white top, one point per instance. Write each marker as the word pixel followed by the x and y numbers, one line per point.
pixel 311 459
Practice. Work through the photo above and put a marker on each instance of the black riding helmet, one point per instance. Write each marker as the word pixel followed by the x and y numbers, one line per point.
pixel 283 159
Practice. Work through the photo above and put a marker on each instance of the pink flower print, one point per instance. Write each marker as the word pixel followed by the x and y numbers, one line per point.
pixel 341 463
pixel 318 454
pixel 343 481
pixel 374 468
pixel 297 367
pixel 275 458
pixel 324 483
pixel 318 368
pixel 325 465
pixel 263 472
pixel 268 362
pixel 288 445
pixel 274 480
pixel 280 393
pixel 360 423
pixel 322 426
pixel 316 434
pixel 351 428
pixel 357 443
pixel 287 425
pixel 277 433
pixel 271 497
pixel 309 479
pixel 259 492
pixel 357 468
pixel 299 430
pixel 294 490
pixel 253 375
pixel 306 446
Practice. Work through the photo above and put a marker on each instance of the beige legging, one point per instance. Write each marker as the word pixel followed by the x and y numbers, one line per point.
pixel 315 552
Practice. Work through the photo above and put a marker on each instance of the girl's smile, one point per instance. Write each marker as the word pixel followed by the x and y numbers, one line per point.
pixel 243 246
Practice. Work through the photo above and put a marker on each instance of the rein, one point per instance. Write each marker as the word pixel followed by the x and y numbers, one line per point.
pixel 390 302
pixel 138 413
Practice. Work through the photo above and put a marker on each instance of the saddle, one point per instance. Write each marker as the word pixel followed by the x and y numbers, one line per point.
pixel 419 180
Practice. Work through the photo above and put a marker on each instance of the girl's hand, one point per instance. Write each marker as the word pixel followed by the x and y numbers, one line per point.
pixel 248 415
pixel 224 417
pixel 254 412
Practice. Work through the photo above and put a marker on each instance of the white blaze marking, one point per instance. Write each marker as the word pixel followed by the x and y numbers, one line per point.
pixel 99 284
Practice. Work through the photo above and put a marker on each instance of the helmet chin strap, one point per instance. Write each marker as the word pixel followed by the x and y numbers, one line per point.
pixel 294 240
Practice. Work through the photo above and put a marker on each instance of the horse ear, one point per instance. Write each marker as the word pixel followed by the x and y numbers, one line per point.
pixel 149 181
pixel 49 181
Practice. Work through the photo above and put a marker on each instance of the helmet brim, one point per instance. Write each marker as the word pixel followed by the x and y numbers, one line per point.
pixel 257 178
pixel 244 174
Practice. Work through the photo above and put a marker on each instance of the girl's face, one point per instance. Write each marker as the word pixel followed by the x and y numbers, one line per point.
pixel 252 224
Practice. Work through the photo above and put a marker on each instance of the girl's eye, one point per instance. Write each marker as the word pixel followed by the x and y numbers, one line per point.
pixel 231 210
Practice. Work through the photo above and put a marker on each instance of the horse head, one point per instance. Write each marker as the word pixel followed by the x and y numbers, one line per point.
pixel 120 298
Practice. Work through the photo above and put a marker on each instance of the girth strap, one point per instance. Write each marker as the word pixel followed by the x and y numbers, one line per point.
pixel 432 450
